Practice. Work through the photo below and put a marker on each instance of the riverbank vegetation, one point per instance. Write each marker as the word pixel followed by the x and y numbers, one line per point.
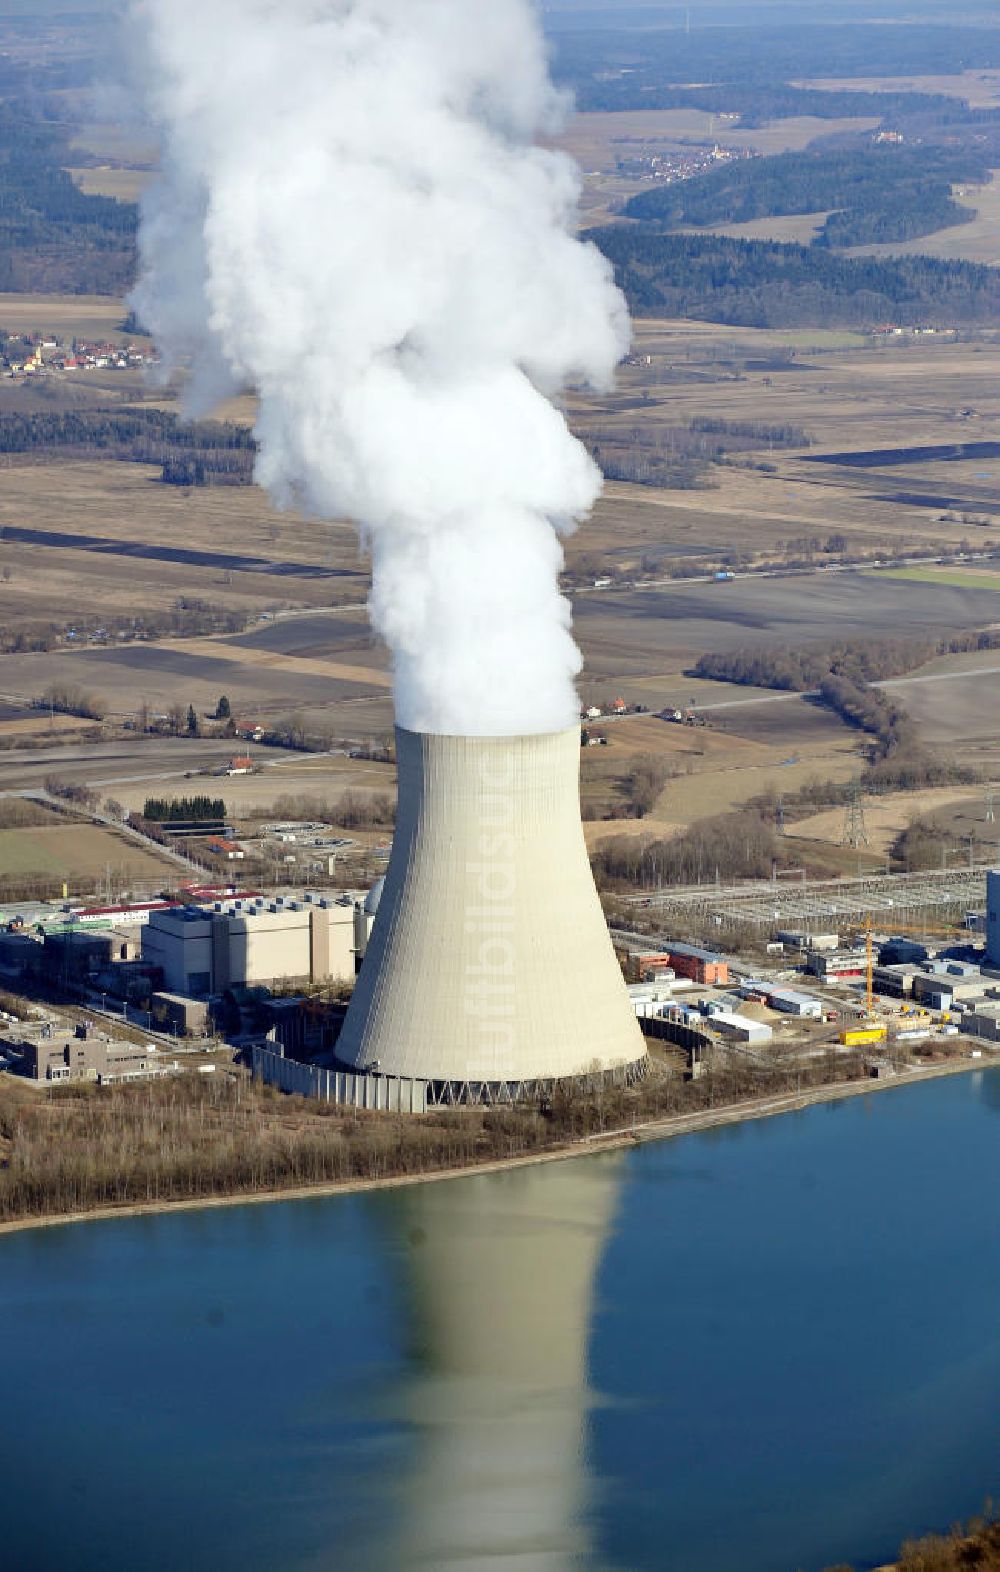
pixel 81 1148
pixel 971 1547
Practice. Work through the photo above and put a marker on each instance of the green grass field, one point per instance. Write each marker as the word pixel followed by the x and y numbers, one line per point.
pixel 960 578
pixel 71 852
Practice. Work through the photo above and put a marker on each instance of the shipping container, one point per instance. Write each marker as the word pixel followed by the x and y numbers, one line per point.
pixel 858 1036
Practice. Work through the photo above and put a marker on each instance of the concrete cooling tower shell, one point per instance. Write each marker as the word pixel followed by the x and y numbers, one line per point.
pixel 490 964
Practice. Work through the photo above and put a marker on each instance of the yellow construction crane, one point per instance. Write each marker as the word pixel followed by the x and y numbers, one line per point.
pixel 871 1026
pixel 869 968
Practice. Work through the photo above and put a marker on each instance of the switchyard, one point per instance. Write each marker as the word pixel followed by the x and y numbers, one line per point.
pixel 764 903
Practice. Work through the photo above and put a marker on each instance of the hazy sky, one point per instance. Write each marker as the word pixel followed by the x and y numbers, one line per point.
pixel 805 10
pixel 714 11
pixel 54 7
pixel 718 11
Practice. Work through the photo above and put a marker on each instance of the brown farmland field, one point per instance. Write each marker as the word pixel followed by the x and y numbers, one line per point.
pixel 117 144
pixel 144 546
pixel 125 185
pixel 797 229
pixel 848 393
pixel 886 817
pixel 116 506
pixel 958 712
pixel 715 770
pixel 975 241
pixel 86 316
pixel 980 88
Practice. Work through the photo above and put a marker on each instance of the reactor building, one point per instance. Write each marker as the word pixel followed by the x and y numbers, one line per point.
pixel 489 972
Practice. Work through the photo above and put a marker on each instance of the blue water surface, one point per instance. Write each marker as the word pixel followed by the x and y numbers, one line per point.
pixel 768 1347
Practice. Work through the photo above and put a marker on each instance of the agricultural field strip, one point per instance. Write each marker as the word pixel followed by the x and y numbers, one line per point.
pixel 957 577
pixel 183 555
pixel 981 89
pixel 963 675
pixel 239 654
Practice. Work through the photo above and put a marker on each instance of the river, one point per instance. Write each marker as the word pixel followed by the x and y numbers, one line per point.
pixel 768 1347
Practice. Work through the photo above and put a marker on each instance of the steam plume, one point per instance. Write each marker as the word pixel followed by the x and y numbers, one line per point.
pixel 354 220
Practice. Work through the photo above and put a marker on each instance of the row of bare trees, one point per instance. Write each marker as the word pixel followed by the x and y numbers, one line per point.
pixel 85 1147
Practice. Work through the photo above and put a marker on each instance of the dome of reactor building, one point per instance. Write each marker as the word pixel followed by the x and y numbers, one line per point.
pixel 490 966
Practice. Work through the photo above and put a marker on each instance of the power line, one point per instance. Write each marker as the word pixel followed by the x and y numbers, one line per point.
pixel 855 830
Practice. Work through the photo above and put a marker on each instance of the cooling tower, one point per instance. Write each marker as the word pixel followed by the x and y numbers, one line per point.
pixel 490 965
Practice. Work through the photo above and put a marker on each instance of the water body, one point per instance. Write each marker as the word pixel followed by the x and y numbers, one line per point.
pixel 770 1347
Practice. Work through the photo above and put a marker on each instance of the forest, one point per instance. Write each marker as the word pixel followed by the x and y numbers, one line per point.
pixel 750 70
pixel 762 283
pixel 801 669
pixel 53 238
pixel 881 193
pixel 200 452
pixel 760 104
pixel 734 846
pixel 682 457
pixel 184 810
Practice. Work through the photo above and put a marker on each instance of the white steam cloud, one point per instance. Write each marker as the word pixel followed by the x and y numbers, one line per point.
pixel 353 219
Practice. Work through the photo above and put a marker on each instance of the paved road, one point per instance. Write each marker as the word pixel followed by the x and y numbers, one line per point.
pixel 104 764
pixel 783 696
pixel 941 676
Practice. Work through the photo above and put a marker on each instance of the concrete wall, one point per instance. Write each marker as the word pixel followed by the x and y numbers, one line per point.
pixel 490 960
pixel 332 941
pixel 364 922
pixel 269 946
pixel 390 1094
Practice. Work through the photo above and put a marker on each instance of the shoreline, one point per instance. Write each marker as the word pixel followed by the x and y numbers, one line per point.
pixel 609 1141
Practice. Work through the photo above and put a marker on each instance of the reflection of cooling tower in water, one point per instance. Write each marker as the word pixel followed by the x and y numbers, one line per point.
pixel 490 964
pixel 502 1270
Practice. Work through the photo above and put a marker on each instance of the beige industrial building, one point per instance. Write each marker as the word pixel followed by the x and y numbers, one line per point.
pixel 238 943
pixel 87 1056
pixel 490 967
